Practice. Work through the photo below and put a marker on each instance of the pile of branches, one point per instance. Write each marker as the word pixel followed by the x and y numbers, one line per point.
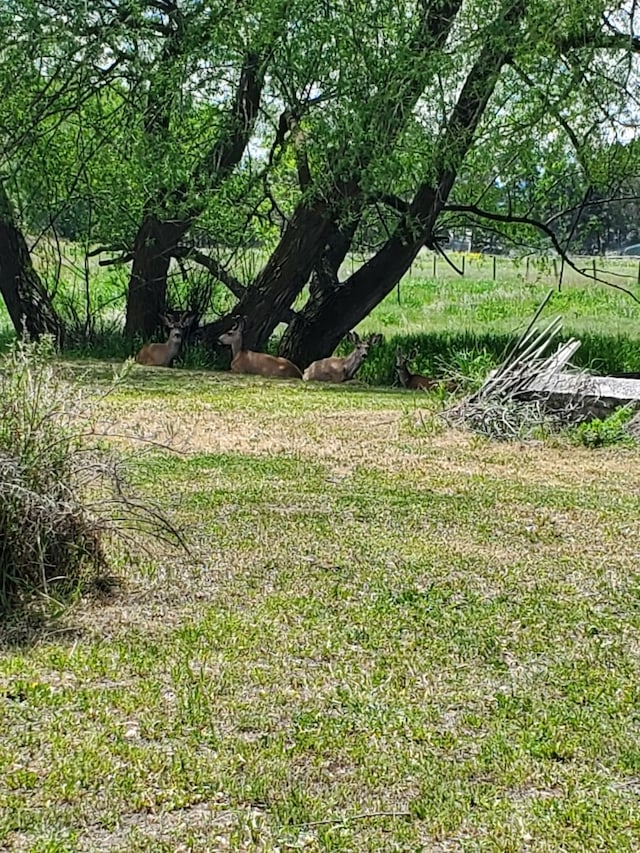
pixel 511 405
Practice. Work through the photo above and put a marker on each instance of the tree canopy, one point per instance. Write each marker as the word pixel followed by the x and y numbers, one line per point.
pixel 184 131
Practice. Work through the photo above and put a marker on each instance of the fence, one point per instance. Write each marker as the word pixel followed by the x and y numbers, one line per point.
pixel 622 271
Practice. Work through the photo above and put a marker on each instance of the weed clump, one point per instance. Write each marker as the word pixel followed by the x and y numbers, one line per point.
pixel 606 432
pixel 61 490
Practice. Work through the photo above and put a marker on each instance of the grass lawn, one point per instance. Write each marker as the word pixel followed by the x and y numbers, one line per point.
pixel 387 637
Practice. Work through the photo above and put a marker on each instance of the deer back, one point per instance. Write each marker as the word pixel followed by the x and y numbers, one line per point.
pixel 326 370
pixel 263 364
pixel 417 383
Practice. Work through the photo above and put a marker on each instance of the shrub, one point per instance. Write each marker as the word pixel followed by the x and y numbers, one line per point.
pixel 61 490
pixel 607 432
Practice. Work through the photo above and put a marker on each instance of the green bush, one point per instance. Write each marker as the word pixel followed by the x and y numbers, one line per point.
pixel 607 432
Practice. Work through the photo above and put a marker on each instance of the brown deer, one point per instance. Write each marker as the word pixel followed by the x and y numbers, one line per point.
pixel 162 355
pixel 258 363
pixel 334 369
pixel 409 379
pixel 414 381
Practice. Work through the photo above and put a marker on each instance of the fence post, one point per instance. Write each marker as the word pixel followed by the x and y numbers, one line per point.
pixel 463 257
pixel 494 267
pixel 435 263
pixel 593 264
pixel 526 274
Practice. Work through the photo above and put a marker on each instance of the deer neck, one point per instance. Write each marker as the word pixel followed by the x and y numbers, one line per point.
pixel 236 347
pixel 171 348
pixel 403 374
pixel 352 363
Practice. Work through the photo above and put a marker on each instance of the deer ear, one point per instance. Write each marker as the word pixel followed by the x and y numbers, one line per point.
pixel 166 320
pixel 374 340
pixel 399 352
pixel 352 337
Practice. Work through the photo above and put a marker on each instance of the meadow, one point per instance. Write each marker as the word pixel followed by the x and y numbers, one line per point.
pixel 387 635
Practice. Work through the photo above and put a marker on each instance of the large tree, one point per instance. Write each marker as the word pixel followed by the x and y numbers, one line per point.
pixel 319 129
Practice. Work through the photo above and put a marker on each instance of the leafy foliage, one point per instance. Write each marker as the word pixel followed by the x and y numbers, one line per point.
pixel 605 433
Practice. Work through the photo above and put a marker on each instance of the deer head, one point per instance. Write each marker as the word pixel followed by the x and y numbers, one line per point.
pixel 335 369
pixel 402 366
pixel 162 355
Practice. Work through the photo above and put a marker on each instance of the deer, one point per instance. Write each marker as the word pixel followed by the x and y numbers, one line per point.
pixel 162 355
pixel 335 369
pixel 258 363
pixel 414 381
pixel 408 379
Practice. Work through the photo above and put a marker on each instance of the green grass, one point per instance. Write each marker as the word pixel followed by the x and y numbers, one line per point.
pixel 388 636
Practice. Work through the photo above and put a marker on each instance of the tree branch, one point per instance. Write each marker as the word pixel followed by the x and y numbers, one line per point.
pixel 540 226
pixel 218 271
pixel 215 268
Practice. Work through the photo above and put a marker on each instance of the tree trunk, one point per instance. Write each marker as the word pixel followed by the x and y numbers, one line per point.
pixel 325 274
pixel 154 246
pixel 327 318
pixel 329 315
pixel 285 274
pixel 26 298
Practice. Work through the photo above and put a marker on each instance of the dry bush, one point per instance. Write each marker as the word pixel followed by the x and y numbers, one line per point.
pixel 62 490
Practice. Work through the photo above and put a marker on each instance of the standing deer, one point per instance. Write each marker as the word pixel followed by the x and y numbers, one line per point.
pixel 258 363
pixel 414 381
pixel 334 369
pixel 162 355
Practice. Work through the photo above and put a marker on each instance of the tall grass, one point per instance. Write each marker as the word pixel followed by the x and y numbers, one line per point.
pixel 62 490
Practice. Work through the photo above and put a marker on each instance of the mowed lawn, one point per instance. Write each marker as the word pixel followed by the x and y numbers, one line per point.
pixel 388 636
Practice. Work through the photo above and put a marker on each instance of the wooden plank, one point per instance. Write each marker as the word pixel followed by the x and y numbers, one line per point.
pixel 584 384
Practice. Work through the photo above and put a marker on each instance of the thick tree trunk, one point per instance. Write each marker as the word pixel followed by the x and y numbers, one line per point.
pixel 154 246
pixel 25 296
pixel 325 274
pixel 285 274
pixel 329 315
pixel 327 318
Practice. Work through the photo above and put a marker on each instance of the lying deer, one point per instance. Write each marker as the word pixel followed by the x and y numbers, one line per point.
pixel 336 369
pixel 408 379
pixel 258 363
pixel 414 381
pixel 162 355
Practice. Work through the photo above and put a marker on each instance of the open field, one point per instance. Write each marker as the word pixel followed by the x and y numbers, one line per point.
pixel 387 637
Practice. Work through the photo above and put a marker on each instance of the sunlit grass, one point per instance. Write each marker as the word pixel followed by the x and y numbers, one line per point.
pixel 387 636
